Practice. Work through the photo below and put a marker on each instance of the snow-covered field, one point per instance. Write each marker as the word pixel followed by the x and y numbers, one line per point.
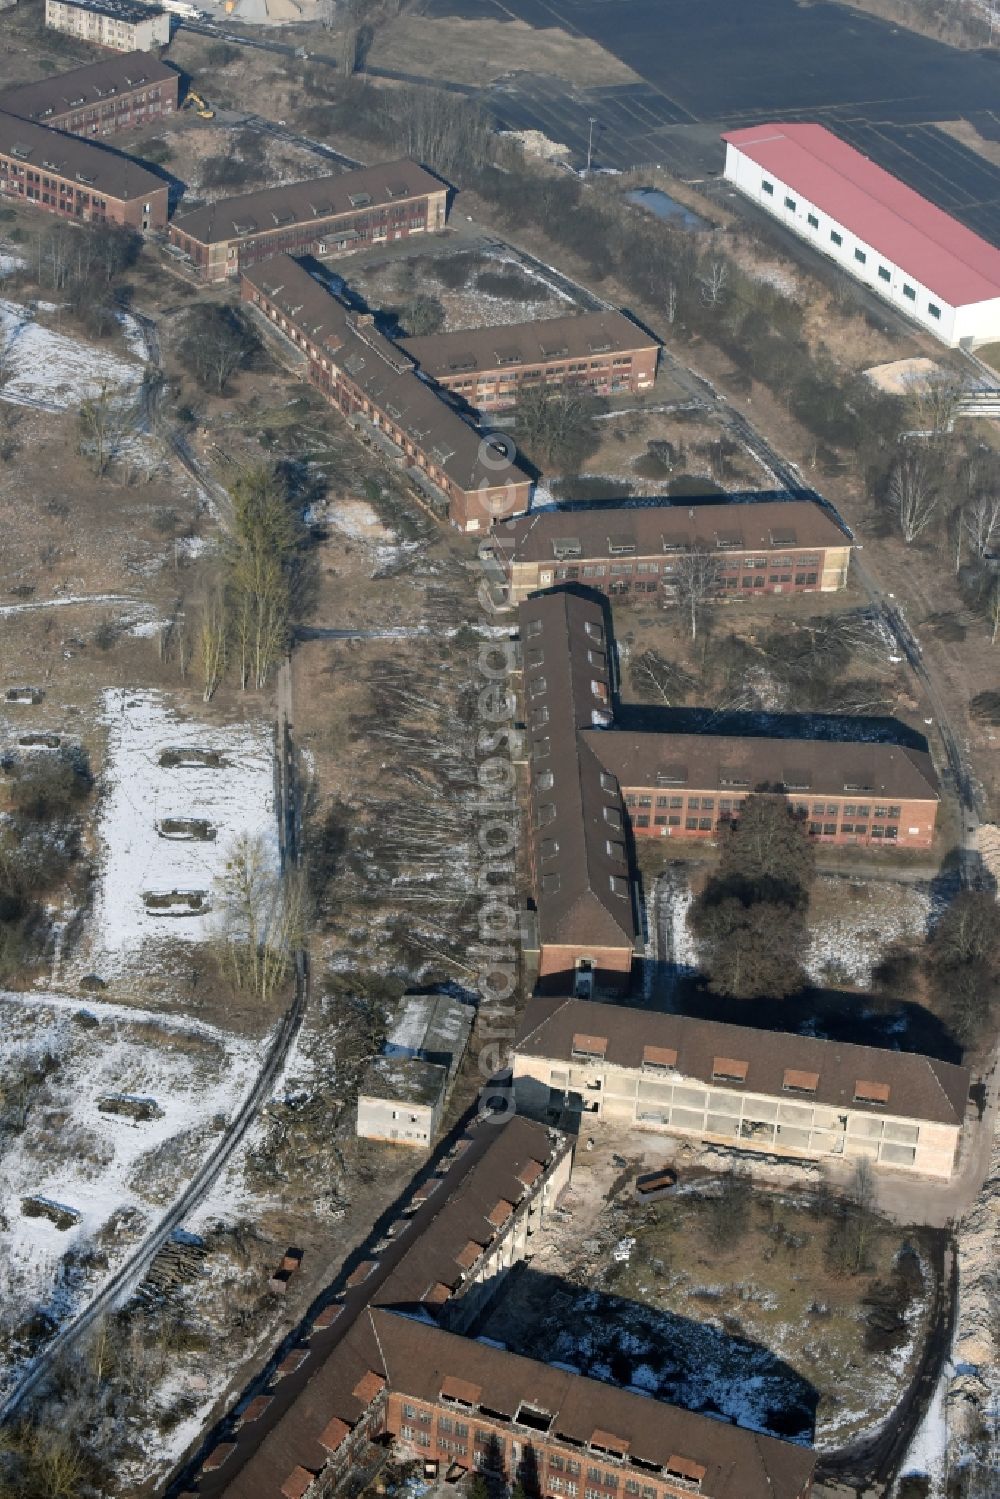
pixel 51 370
pixel 236 798
pixel 58 1057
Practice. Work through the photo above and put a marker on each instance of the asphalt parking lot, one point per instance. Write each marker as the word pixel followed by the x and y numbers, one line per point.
pixel 717 64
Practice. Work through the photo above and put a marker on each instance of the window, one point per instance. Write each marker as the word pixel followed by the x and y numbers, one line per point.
pixel 909 292
pixel 693 803
pixel 795 1081
pixel 933 309
pixel 860 256
pixel 838 239
pixel 691 824
pixel 729 1070
pixel 767 187
pixel 829 829
pixel 790 203
pixel 594 1474
pixel 813 220
pixel 884 273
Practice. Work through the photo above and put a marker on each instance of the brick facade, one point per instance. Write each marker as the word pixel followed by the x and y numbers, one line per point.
pixel 658 813
pixel 604 353
pixel 223 239
pixel 100 100
pixel 75 180
pixel 375 386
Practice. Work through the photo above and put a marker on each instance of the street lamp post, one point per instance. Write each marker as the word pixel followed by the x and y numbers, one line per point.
pixel 590 143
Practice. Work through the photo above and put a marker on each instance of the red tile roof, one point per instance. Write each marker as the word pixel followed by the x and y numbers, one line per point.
pixel 883 212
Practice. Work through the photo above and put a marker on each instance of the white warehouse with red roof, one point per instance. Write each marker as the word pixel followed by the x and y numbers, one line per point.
pixel 910 252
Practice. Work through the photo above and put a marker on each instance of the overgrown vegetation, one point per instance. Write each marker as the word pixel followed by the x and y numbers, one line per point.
pixel 750 919
pixel 963 954
pixel 39 845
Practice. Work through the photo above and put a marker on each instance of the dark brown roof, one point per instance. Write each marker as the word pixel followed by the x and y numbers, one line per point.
pixel 579 336
pixel 320 199
pixel 583 890
pixel 469 1216
pixel 919 1087
pixel 757 525
pixel 734 766
pixel 423 1254
pixel 739 1464
pixel 82 88
pixel 377 367
pixel 95 167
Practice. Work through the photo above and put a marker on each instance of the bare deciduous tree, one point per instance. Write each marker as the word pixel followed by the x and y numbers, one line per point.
pixel 671 302
pixel 261 919
pixel 913 495
pixel 937 398
pixel 695 582
pixel 981 523
pixel 213 628
pixel 104 422
pixel 714 282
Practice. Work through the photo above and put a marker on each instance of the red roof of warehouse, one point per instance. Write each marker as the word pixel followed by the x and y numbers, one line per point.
pixel 923 240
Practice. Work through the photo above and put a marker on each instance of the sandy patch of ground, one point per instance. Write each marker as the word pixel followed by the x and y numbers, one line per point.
pixel 966 134
pixel 900 376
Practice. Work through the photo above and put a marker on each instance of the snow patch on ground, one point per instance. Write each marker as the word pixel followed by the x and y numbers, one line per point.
pixel 97 1163
pixel 236 799
pixel 867 916
pixel 52 371
pixel 927 1456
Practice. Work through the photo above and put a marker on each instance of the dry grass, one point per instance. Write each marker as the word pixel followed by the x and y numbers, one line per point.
pixel 478 51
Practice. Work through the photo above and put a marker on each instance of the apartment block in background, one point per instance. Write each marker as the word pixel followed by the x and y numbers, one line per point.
pixel 604 353
pixel 77 180
pixel 103 98
pixel 744 1088
pixel 372 205
pixel 122 25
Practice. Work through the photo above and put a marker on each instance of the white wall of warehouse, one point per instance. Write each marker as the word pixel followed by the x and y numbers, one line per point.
pixel 977 321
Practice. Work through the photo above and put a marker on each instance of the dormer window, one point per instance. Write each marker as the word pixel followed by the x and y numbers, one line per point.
pixel 589 1048
pixel 531 1416
pixel 545 780
pixel 595 631
pixel 534 628
pixel 658 1058
pixel 868 1092
pixel 538 686
pixel 729 1070
pixel 799 1082
pixel 619 886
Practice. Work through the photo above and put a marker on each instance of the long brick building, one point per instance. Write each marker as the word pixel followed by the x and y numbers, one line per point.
pixel 118 93
pixel 594 786
pixel 369 206
pixel 732 1085
pixel 602 352
pixel 472 476
pixel 76 179
pixel 854 792
pixel 584 897
pixel 779 546
pixel 385 1361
